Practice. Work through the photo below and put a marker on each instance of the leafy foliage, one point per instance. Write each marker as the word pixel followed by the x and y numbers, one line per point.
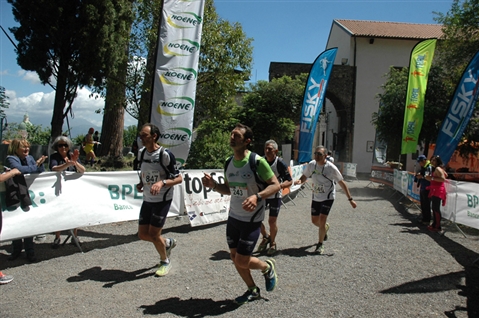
pixel 272 109
pixel 129 135
pixel 224 65
pixel 75 42
pixel 37 135
pixel 390 117
pixel 210 151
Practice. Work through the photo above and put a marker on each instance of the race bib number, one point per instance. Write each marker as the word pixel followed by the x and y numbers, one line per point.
pixel 239 192
pixel 151 177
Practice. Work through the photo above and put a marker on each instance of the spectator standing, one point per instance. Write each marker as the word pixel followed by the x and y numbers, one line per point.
pixel 64 160
pixel 324 175
pixel 157 178
pixel 330 157
pixel 247 210
pixel 19 157
pixel 8 174
pixel 423 184
pixel 437 192
pixel 274 201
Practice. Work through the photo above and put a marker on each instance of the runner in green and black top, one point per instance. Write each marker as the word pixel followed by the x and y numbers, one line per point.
pixel 274 202
pixel 246 210
pixel 324 175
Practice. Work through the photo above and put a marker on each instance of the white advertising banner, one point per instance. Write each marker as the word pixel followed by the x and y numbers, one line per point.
pixel 174 86
pixel 297 172
pixel 464 201
pixel 67 200
pixel 203 205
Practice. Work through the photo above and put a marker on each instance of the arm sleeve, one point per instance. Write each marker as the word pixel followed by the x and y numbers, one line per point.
pixel 284 171
pixel 31 167
pixel 169 157
pixel 264 170
pixel 53 162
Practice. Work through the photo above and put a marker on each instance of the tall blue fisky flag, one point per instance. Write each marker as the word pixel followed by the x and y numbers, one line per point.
pixel 460 111
pixel 313 100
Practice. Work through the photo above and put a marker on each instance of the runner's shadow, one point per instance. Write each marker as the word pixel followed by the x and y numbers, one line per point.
pixel 298 251
pixel 220 256
pixel 112 276
pixel 190 307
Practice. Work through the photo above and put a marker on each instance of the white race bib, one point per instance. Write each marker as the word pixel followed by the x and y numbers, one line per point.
pixel 239 192
pixel 151 177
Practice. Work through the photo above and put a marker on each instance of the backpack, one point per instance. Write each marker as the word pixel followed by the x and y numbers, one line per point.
pixel 168 172
pixel 253 164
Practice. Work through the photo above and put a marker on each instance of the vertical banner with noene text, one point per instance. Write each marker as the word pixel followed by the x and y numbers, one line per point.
pixel 419 65
pixel 176 74
pixel 313 99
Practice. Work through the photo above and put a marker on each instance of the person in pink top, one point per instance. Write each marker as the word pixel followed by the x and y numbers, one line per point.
pixel 437 192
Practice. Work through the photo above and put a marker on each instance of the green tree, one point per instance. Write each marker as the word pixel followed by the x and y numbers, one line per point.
pixel 142 58
pixel 129 135
pixel 73 42
pixel 37 134
pixel 210 151
pixel 272 109
pixel 389 120
pixel 225 64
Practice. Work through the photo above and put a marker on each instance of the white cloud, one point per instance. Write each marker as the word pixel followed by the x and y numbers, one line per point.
pixel 39 107
pixel 31 77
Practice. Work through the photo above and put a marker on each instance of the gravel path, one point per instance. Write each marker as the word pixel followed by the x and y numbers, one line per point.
pixel 379 263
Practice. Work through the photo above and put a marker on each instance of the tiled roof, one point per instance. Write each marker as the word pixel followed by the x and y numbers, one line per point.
pixel 390 29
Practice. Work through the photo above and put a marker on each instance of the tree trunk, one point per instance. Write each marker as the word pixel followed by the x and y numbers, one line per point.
pixel 113 121
pixel 59 104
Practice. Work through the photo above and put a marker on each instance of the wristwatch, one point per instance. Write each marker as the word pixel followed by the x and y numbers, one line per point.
pixel 350 199
pixel 258 197
pixel 164 182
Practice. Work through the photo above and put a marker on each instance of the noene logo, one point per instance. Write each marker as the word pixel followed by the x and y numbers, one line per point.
pixel 184 20
pixel 174 137
pixel 178 76
pixel 176 106
pixel 181 47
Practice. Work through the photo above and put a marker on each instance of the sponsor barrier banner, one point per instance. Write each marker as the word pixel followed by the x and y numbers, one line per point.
pixel 68 200
pixel 412 188
pixel 382 174
pixel 462 202
pixel 203 205
pixel 419 65
pixel 466 204
pixel 401 181
pixel 460 111
pixel 313 99
pixel 174 85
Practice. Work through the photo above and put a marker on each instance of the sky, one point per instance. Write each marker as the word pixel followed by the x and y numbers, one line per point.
pixel 282 31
